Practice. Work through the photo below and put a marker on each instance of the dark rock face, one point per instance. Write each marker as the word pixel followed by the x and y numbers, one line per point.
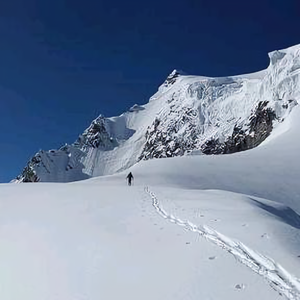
pixel 96 136
pixel 28 174
pixel 180 136
pixel 171 79
pixel 256 131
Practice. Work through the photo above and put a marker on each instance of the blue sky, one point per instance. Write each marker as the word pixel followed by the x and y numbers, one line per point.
pixel 63 62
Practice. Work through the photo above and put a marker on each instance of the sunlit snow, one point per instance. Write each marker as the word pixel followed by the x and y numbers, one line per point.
pixel 209 227
pixel 194 227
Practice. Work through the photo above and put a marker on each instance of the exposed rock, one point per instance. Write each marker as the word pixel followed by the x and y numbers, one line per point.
pixel 256 131
pixel 171 79
pixel 179 136
pixel 28 174
pixel 96 135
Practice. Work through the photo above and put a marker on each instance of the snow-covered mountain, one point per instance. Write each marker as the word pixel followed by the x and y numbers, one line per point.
pixel 190 227
pixel 187 115
pixel 194 227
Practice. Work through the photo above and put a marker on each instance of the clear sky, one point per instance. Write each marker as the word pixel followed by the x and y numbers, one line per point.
pixel 63 62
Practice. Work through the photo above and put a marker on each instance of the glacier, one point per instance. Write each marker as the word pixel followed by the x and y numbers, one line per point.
pixel 188 115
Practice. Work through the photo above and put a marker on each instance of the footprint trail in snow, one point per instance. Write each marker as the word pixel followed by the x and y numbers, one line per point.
pixel 279 279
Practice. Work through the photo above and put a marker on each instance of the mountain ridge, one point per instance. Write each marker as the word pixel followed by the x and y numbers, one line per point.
pixel 199 114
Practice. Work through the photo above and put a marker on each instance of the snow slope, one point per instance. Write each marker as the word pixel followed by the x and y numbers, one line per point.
pixel 270 171
pixel 211 115
pixel 193 227
pixel 89 241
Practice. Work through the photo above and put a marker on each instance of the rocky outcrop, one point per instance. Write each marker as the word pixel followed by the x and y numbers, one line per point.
pixel 171 79
pixel 97 135
pixel 28 174
pixel 180 135
pixel 251 135
pixel 167 143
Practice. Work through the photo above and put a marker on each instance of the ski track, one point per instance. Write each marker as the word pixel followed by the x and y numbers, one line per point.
pixel 279 279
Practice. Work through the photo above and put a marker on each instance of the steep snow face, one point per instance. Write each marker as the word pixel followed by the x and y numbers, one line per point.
pixel 187 114
pixel 223 115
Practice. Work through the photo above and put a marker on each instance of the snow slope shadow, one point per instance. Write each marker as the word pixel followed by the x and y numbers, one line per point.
pixel 278 278
pixel 281 212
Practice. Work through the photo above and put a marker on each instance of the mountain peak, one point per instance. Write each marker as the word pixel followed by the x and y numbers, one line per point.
pixel 171 79
pixel 187 114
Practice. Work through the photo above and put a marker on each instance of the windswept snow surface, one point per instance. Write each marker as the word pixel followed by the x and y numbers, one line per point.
pixel 92 241
pixel 197 227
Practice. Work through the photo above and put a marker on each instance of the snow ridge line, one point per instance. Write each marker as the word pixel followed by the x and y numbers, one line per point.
pixel 279 279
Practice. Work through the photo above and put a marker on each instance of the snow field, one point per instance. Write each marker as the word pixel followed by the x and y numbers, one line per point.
pixel 89 241
pixel 286 284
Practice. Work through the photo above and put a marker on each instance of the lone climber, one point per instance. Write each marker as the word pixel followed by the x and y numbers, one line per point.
pixel 129 178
